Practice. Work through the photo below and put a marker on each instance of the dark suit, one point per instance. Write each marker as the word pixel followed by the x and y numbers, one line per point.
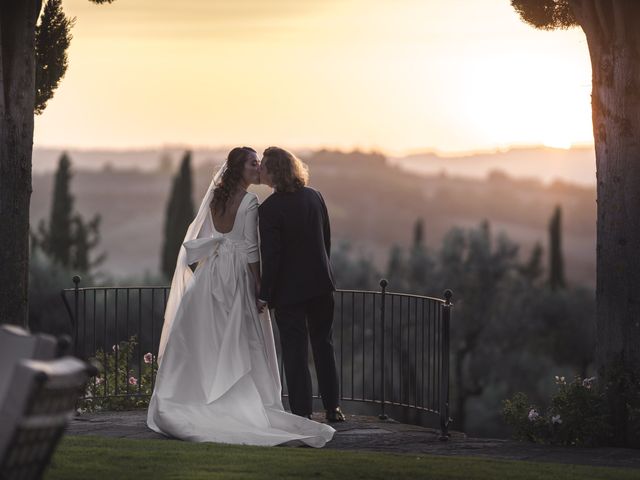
pixel 297 282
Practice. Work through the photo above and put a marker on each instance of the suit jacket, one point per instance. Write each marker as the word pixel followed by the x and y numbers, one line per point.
pixel 295 237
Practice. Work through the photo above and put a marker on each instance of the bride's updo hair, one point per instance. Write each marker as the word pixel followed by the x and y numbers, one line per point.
pixel 230 178
pixel 287 171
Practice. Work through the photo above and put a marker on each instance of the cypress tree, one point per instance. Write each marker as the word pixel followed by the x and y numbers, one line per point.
pixel 419 262
pixel 179 214
pixel 81 246
pixel 418 234
pixel 556 262
pixel 68 240
pixel 56 240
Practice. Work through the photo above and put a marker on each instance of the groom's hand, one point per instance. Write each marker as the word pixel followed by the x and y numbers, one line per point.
pixel 261 304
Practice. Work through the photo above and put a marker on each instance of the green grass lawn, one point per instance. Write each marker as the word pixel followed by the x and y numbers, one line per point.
pixel 100 458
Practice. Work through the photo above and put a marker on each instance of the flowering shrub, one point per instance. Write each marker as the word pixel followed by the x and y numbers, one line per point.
pixel 123 382
pixel 576 415
pixel 525 419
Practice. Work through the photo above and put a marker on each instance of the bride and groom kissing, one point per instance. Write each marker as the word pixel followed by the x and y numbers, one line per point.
pixel 218 377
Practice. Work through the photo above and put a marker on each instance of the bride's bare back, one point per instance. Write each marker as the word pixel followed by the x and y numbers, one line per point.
pixel 223 223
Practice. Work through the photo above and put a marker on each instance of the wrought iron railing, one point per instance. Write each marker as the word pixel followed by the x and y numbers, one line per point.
pixel 392 349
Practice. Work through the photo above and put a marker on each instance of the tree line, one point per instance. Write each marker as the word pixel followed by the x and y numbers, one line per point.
pixel 505 306
pixel 516 322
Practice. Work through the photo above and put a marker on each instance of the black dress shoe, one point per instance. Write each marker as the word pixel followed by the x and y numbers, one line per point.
pixel 335 415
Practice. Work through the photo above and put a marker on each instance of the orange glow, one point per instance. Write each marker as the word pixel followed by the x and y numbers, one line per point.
pixel 449 75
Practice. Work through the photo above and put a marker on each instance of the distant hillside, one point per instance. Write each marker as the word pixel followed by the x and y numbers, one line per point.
pixel 575 165
pixel 372 204
pixel 376 205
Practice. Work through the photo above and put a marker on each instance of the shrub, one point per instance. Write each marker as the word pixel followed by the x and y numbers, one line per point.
pixel 577 415
pixel 124 382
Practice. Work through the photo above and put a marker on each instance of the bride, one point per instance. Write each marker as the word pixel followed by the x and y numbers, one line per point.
pixel 218 377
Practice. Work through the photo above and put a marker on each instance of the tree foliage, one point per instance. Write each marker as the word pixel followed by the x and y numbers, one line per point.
pixel 52 40
pixel 532 269
pixel 566 321
pixel 53 36
pixel 545 14
pixel 46 280
pixel 507 325
pixel 351 271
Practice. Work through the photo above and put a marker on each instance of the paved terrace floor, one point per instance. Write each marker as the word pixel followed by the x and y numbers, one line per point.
pixel 371 434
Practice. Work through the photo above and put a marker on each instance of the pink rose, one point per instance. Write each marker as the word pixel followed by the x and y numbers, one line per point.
pixel 133 381
pixel 148 357
pixel 99 380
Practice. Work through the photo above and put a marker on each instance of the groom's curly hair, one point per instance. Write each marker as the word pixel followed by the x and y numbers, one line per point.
pixel 230 178
pixel 288 172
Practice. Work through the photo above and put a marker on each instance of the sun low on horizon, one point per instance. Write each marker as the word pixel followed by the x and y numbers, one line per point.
pixel 395 76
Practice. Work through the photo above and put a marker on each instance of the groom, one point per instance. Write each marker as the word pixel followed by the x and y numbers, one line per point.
pixel 297 281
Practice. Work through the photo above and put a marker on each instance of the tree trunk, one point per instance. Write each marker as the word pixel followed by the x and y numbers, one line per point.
pixel 612 34
pixel 17 97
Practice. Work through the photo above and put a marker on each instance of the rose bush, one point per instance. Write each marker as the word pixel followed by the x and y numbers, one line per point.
pixel 123 382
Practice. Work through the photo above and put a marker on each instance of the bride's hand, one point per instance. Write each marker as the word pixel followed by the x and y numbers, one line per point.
pixel 261 305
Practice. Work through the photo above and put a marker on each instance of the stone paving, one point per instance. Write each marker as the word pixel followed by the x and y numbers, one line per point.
pixel 371 434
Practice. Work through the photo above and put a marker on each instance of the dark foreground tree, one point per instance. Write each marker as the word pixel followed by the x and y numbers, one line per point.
pixel 613 38
pixel 178 217
pixel 32 62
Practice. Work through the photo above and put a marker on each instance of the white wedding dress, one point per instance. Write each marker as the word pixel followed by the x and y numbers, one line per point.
pixel 218 377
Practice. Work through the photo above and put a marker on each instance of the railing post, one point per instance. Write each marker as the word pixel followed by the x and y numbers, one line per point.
pixel 444 389
pixel 383 285
pixel 76 300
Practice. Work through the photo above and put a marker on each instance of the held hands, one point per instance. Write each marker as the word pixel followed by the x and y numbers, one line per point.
pixel 261 304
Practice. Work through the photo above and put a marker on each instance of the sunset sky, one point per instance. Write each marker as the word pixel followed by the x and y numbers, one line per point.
pixel 395 75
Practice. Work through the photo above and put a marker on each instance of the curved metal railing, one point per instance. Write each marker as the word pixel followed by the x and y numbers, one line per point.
pixel 392 349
